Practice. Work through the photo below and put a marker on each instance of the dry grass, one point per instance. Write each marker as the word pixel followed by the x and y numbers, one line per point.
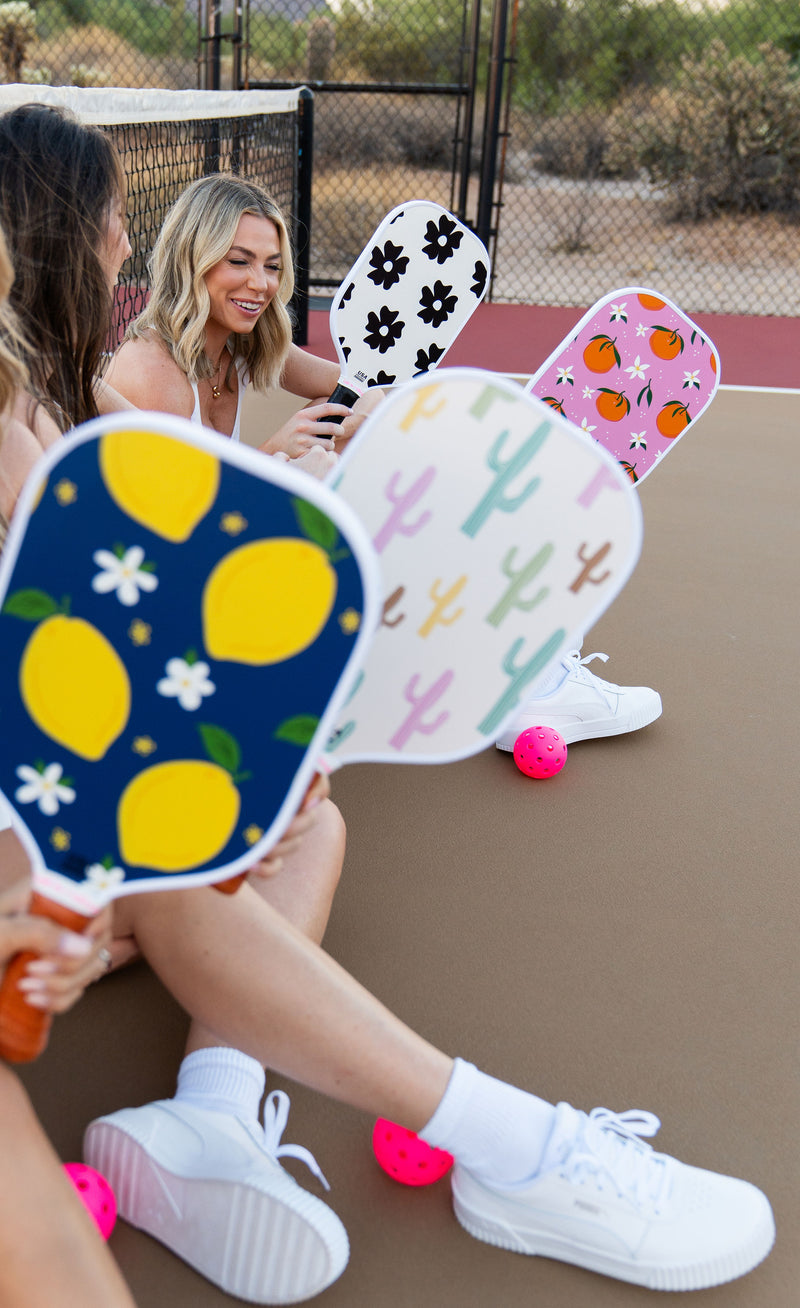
pixel 109 58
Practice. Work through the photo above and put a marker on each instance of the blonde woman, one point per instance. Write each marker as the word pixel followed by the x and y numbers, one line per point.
pixel 221 277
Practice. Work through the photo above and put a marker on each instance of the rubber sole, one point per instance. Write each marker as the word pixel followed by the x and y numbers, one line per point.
pixel 270 1244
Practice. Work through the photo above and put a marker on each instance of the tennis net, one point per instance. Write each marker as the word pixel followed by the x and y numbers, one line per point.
pixel 167 139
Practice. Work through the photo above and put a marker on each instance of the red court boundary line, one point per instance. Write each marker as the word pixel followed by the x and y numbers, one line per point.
pixel 517 338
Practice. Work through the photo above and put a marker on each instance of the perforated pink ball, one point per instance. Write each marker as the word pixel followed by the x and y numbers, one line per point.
pixel 405 1157
pixel 96 1195
pixel 540 752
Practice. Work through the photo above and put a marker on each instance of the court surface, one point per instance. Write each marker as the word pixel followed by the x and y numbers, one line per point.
pixel 624 934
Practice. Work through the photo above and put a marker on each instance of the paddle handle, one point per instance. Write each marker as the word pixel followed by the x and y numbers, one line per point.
pixel 24 1030
pixel 342 395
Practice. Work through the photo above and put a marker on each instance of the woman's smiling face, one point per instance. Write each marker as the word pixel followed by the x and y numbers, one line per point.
pixel 243 284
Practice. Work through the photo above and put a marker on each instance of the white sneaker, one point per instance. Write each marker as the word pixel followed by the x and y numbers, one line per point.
pixel 604 1200
pixel 209 1186
pixel 583 706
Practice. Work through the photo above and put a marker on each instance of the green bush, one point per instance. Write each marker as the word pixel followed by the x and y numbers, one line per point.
pixel 726 139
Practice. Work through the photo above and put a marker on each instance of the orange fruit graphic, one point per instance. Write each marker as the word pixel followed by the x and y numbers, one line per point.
pixel 713 363
pixel 601 354
pixel 554 403
pixel 650 302
pixel 673 418
pixel 665 343
pixel 612 405
pixel 630 468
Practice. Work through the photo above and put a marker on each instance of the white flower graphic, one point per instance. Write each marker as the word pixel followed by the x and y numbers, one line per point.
pixel 43 786
pixel 100 879
pixel 637 369
pixel 638 440
pixel 588 392
pixel 187 682
pixel 122 573
pixel 564 375
pixel 585 425
pixel 641 330
pixel 691 379
pixel 618 313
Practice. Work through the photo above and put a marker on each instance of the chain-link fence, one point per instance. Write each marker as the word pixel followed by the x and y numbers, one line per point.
pixel 126 43
pixel 653 141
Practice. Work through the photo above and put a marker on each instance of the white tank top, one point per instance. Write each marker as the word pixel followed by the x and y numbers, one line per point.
pixel 244 377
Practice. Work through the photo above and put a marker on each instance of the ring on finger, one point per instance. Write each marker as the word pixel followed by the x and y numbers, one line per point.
pixel 104 956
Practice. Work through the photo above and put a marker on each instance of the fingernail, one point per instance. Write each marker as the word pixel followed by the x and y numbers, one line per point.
pixel 32 985
pixel 74 946
pixel 312 802
pixel 37 1001
pixel 41 967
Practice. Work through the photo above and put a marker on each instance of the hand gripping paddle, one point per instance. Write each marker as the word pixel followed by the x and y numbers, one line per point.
pixel 406 298
pixel 633 374
pixel 501 532
pixel 181 620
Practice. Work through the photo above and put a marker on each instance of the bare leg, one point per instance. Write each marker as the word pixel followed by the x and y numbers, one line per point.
pixel 301 890
pixel 251 977
pixel 50 1252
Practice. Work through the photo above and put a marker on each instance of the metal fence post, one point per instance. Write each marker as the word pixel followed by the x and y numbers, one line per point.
pixel 491 122
pixel 305 164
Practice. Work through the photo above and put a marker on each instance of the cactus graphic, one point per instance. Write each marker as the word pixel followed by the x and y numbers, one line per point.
pixel 495 497
pixel 420 706
pixel 603 479
pixel 519 578
pixel 403 503
pixel 440 603
pixel 585 577
pixel 521 676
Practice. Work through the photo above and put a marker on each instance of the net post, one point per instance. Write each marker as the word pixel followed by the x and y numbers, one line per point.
pixel 305 165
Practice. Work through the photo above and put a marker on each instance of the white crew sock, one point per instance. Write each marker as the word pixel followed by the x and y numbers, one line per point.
pixel 222 1079
pixel 499 1133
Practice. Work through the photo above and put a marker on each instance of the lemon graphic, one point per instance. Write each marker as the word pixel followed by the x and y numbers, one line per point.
pixel 72 681
pixel 267 600
pixel 159 481
pixel 178 815
pixel 175 816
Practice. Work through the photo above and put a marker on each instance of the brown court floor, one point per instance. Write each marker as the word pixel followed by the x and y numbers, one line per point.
pixel 623 934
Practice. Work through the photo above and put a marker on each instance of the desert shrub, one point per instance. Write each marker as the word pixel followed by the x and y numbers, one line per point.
pixel 17 32
pixel 725 139
pixel 402 40
pixel 575 145
pixel 383 129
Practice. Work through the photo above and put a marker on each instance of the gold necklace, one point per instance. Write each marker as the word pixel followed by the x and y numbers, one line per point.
pixel 215 391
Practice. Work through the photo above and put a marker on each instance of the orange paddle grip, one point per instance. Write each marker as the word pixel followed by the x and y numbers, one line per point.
pixel 24 1030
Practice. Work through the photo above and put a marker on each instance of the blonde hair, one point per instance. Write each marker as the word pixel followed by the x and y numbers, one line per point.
pixel 13 374
pixel 197 233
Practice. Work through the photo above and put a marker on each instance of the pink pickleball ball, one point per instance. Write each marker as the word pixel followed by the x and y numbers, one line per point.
pixel 405 1157
pixel 540 752
pixel 96 1195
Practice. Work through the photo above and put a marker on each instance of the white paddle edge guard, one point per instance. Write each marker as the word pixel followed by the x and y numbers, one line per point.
pixel 63 889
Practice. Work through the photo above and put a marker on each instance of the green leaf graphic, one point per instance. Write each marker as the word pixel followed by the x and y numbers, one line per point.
pixel 316 525
pixel 298 730
pixel 33 605
pixel 221 747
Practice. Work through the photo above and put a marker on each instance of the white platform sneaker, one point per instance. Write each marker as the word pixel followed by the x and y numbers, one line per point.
pixel 582 706
pixel 605 1201
pixel 210 1187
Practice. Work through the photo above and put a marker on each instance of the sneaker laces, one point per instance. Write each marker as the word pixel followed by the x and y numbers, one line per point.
pixel 275 1117
pixel 610 1146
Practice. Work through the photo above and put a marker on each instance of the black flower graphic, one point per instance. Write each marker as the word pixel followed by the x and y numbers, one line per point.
pixel 479 275
pixel 383 329
pixel 348 293
pixel 427 359
pixel 437 303
pixel 345 349
pixel 382 379
pixel 443 239
pixel 388 265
